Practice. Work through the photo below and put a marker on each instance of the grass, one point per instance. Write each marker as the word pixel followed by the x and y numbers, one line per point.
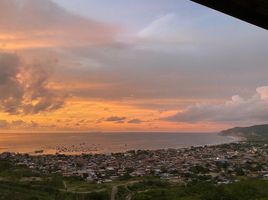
pixel 20 183
pixel 248 189
pixel 83 186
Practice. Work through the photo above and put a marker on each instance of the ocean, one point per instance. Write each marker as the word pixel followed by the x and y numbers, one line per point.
pixel 77 143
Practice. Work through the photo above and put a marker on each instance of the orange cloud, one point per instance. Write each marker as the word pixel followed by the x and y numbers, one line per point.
pixel 104 115
pixel 23 86
pixel 41 24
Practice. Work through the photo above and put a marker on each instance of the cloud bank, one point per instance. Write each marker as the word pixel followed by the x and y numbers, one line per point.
pixel 238 110
pixel 24 86
pixel 24 125
pixel 43 23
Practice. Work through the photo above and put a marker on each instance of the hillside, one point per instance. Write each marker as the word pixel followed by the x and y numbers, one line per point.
pixel 257 131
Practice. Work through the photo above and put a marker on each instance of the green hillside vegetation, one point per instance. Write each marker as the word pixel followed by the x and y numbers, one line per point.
pixel 20 183
pixel 257 132
pixel 250 189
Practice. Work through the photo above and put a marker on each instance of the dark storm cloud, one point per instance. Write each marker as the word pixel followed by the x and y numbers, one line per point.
pixel 11 91
pixel 24 87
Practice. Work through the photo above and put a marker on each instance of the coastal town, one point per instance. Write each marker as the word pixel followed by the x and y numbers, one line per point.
pixel 220 163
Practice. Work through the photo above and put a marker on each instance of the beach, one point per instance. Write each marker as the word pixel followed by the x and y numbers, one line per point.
pixel 77 143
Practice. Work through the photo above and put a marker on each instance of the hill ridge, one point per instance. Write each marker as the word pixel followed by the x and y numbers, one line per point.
pixel 255 131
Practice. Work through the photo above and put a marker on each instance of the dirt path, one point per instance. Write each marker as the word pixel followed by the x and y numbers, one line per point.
pixel 65 186
pixel 115 189
pixel 129 196
pixel 114 192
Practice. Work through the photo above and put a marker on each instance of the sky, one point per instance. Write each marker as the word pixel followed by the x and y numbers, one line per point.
pixel 129 65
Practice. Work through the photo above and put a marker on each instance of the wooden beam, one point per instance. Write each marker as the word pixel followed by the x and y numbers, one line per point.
pixel 252 11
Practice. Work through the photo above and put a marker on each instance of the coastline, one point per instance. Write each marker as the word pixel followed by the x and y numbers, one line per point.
pixel 223 165
pixel 83 150
pixel 167 164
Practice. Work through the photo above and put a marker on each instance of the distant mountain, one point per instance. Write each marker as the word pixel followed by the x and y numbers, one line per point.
pixel 257 131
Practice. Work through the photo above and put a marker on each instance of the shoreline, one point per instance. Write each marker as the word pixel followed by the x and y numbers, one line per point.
pixel 167 164
pixel 42 152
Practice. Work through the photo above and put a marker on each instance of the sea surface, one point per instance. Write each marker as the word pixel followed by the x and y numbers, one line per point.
pixel 77 143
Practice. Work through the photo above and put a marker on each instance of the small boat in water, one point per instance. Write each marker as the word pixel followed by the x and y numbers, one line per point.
pixel 39 151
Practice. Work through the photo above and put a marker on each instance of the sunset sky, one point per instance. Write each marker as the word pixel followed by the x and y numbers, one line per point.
pixel 129 65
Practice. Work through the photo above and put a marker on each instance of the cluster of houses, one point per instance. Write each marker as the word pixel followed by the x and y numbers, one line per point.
pixel 222 163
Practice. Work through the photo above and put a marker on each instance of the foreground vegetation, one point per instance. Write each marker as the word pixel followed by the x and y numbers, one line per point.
pixel 20 183
pixel 249 189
